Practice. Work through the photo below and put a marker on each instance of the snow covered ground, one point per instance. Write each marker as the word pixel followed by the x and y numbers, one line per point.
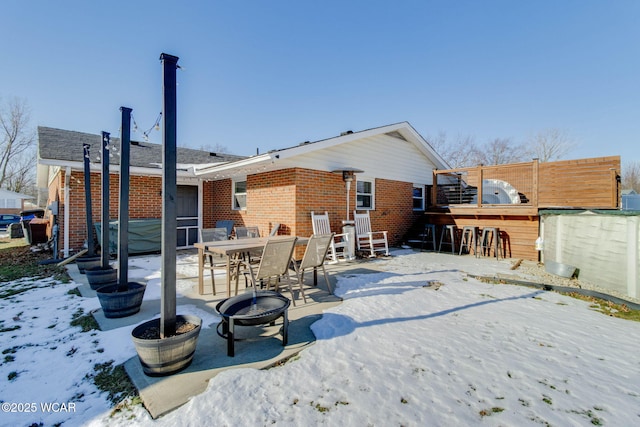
pixel 417 344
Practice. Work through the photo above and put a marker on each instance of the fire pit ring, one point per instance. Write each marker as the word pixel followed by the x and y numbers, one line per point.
pixel 252 309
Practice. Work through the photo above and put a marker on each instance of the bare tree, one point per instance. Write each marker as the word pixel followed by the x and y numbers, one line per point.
pixel 549 145
pixel 459 153
pixel 21 177
pixel 631 176
pixel 16 139
pixel 217 148
pixel 500 151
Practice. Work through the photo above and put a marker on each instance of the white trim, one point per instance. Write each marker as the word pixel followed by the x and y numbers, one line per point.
pixel 233 194
pixel 423 198
pixel 364 178
pixel 67 182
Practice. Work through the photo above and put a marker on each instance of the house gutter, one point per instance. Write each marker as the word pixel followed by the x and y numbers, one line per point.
pixel 183 170
pixel 67 183
pixel 239 165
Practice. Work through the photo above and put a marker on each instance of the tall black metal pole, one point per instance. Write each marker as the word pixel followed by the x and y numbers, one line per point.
pixel 104 252
pixel 91 246
pixel 123 215
pixel 169 196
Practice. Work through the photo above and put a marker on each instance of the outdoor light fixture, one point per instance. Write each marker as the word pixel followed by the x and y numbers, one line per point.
pixel 348 175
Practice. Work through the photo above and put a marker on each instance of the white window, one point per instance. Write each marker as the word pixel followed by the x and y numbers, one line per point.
pixel 418 197
pixel 365 193
pixel 239 195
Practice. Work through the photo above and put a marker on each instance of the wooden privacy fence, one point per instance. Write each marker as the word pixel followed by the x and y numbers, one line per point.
pixel 513 194
pixel 589 183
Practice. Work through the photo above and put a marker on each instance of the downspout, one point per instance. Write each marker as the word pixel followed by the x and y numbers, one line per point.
pixel 200 204
pixel 67 182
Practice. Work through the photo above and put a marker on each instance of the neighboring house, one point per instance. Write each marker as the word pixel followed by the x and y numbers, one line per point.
pixel 278 187
pixel 630 200
pixel 11 202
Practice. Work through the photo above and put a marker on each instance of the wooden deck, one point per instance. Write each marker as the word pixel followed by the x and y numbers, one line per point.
pixel 584 184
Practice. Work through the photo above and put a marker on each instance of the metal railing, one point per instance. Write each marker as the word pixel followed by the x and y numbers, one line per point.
pixel 512 184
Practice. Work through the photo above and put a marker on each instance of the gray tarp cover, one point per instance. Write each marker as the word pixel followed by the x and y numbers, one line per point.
pixel 145 235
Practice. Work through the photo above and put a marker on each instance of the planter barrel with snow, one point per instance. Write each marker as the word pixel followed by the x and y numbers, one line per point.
pixel 99 277
pixel 86 262
pixel 117 303
pixel 168 355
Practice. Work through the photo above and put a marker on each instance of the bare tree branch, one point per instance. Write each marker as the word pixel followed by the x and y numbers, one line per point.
pixel 550 144
pixel 631 176
pixel 15 138
pixel 462 152
pixel 501 151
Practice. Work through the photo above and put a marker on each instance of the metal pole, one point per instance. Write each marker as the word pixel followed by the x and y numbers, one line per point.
pixel 123 215
pixel 91 246
pixel 104 252
pixel 169 196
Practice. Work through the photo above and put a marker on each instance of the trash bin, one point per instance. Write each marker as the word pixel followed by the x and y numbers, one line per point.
pixel 350 231
pixel 38 230
pixel 27 216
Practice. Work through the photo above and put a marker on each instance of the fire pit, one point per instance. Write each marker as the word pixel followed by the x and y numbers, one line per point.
pixel 251 309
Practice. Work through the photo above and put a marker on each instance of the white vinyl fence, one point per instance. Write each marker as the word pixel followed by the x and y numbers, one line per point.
pixel 602 245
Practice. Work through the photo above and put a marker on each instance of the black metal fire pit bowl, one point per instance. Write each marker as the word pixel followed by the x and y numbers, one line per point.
pixel 243 310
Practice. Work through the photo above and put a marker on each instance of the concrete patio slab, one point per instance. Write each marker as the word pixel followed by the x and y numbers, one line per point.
pixel 259 348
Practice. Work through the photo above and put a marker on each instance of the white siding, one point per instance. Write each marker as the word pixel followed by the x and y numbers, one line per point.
pixel 379 156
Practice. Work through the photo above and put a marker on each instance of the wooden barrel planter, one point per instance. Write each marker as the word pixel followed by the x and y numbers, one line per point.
pixel 116 303
pixel 166 356
pixel 99 277
pixel 86 262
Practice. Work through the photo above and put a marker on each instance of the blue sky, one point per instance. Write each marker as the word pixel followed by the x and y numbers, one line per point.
pixel 259 75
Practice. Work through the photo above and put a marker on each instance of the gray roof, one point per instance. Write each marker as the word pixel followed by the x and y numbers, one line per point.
pixel 66 146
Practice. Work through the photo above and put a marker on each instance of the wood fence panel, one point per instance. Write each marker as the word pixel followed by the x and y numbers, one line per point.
pixel 585 183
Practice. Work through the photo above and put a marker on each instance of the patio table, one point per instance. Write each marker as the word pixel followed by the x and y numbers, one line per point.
pixel 229 248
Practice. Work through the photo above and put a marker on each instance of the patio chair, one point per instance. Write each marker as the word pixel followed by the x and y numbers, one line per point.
pixel 321 226
pixel 274 230
pixel 367 240
pixel 226 223
pixel 246 232
pixel 215 260
pixel 274 267
pixel 314 256
pixel 252 257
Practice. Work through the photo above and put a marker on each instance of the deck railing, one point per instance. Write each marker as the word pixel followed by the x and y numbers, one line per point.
pixel 588 183
pixel 512 184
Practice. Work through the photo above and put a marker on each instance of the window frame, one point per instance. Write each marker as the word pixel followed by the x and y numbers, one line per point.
pixel 372 194
pixel 236 206
pixel 423 198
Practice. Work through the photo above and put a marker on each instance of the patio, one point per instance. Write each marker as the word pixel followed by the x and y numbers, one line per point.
pixel 262 347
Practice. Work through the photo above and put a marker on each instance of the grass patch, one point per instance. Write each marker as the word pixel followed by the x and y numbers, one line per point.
pixel 609 308
pixel 621 311
pixel 491 411
pixel 114 381
pixel 19 262
pixel 9 329
pixel 84 321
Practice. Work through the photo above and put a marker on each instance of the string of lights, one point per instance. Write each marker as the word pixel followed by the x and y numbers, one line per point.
pixel 155 126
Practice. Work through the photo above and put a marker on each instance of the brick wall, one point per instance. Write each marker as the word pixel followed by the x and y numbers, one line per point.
pixel 286 197
pixel 144 202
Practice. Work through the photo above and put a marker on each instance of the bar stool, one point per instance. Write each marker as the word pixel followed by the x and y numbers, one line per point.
pixel 448 232
pixel 469 236
pixel 491 239
pixel 429 232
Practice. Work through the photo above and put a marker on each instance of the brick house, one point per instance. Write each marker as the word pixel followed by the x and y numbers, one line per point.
pixel 279 187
